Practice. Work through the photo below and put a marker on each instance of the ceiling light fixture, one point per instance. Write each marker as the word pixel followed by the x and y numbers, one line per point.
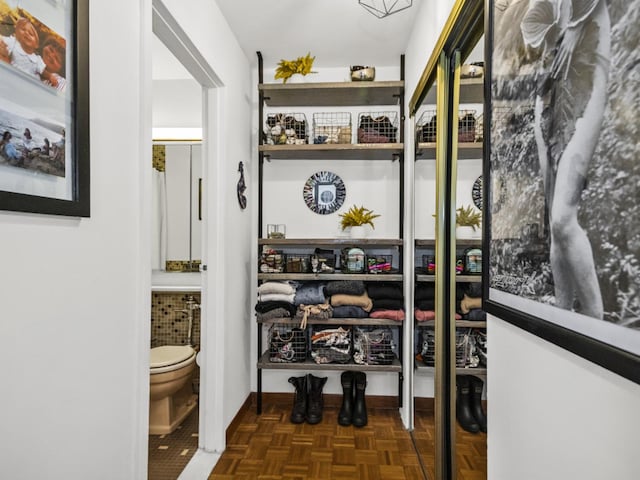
pixel 384 8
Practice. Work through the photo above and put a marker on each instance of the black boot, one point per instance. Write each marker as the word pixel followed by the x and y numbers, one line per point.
pixel 299 410
pixel 476 402
pixel 346 411
pixel 359 417
pixel 316 402
pixel 463 405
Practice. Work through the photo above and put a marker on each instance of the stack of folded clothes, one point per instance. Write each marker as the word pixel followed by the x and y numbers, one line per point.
pixel 425 303
pixel 388 300
pixel 471 303
pixel 275 300
pixel 348 298
pixel 424 300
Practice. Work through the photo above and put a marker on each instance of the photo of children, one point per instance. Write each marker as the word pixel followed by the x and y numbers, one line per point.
pixel 31 143
pixel 31 47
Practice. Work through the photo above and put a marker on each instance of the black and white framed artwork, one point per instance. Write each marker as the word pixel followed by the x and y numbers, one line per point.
pixel 562 176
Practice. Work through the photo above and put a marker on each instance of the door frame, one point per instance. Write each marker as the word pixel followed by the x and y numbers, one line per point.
pixel 157 19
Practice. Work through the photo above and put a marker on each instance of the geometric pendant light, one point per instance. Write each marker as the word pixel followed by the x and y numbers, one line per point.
pixel 384 8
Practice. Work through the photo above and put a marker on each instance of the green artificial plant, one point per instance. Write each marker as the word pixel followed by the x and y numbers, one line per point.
pixel 468 217
pixel 357 216
pixel 301 65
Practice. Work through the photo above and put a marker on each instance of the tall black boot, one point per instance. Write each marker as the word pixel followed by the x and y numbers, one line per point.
pixel 316 402
pixel 359 417
pixel 299 410
pixel 463 405
pixel 476 402
pixel 346 411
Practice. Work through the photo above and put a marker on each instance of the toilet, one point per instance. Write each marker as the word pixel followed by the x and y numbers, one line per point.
pixel 171 396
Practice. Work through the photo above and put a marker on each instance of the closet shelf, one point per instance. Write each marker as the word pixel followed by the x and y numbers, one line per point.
pixel 471 91
pixel 334 151
pixel 383 242
pixel 365 277
pixel 309 364
pixel 466 151
pixel 459 370
pixel 330 94
pixel 342 321
pixel 459 278
pixel 459 323
pixel 461 242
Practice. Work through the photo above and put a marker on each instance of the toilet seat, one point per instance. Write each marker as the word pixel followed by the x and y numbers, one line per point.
pixel 170 357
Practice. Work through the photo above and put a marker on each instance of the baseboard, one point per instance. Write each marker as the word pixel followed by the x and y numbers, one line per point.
pixel 424 404
pixel 330 400
pixel 237 419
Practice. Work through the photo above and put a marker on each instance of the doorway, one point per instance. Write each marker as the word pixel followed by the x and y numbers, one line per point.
pixel 167 32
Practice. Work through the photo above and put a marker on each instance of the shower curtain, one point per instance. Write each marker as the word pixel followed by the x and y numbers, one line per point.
pixel 158 220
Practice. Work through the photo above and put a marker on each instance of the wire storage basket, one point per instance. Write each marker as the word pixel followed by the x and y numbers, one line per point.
pixel 331 344
pixel 426 127
pixel 286 129
pixel 287 344
pixel 466 126
pixel 428 346
pixel 297 263
pixel 271 261
pixel 377 127
pixel 379 263
pixel 334 127
pixel 373 346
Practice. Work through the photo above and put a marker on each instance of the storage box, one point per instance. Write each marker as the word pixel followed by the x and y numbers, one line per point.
pixel 286 129
pixel 426 127
pixel 373 346
pixel 379 263
pixel 334 127
pixel 271 261
pixel 297 263
pixel 331 344
pixel 377 127
pixel 287 344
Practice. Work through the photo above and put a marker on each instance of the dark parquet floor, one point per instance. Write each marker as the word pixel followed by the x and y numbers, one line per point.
pixel 269 447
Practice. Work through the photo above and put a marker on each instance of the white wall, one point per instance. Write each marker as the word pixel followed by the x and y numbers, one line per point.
pixel 555 415
pixel 73 293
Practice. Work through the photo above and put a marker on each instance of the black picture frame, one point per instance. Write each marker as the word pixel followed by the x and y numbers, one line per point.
pixel 518 272
pixel 56 181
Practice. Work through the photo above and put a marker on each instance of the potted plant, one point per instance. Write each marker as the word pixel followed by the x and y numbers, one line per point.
pixel 288 68
pixel 356 218
pixel 468 221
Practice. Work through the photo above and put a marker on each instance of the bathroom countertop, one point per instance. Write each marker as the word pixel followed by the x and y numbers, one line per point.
pixel 162 281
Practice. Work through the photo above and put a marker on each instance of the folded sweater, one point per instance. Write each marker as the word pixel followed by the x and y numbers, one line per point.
pixel 348 287
pixel 358 300
pixel 276 287
pixel 384 290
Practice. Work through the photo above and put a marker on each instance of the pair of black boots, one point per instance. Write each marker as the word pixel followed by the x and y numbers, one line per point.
pixel 354 409
pixel 308 401
pixel 469 410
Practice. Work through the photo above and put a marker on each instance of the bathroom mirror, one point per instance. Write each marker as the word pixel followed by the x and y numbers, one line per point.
pixel 177 206
pixel 177 169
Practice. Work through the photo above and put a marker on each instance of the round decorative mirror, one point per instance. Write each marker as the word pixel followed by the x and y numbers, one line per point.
pixel 476 192
pixel 324 192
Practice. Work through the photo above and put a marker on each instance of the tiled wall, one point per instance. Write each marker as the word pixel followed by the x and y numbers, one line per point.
pixel 169 327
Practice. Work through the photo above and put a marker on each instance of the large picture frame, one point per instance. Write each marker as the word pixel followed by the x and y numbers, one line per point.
pixel 562 177
pixel 44 107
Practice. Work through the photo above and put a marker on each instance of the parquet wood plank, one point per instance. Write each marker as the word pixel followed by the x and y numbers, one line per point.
pixel 268 447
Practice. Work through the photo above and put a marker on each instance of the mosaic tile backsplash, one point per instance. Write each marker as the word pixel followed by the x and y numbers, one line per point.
pixel 169 327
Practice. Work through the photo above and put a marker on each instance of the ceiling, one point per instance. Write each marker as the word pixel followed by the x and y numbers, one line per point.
pixel 336 32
